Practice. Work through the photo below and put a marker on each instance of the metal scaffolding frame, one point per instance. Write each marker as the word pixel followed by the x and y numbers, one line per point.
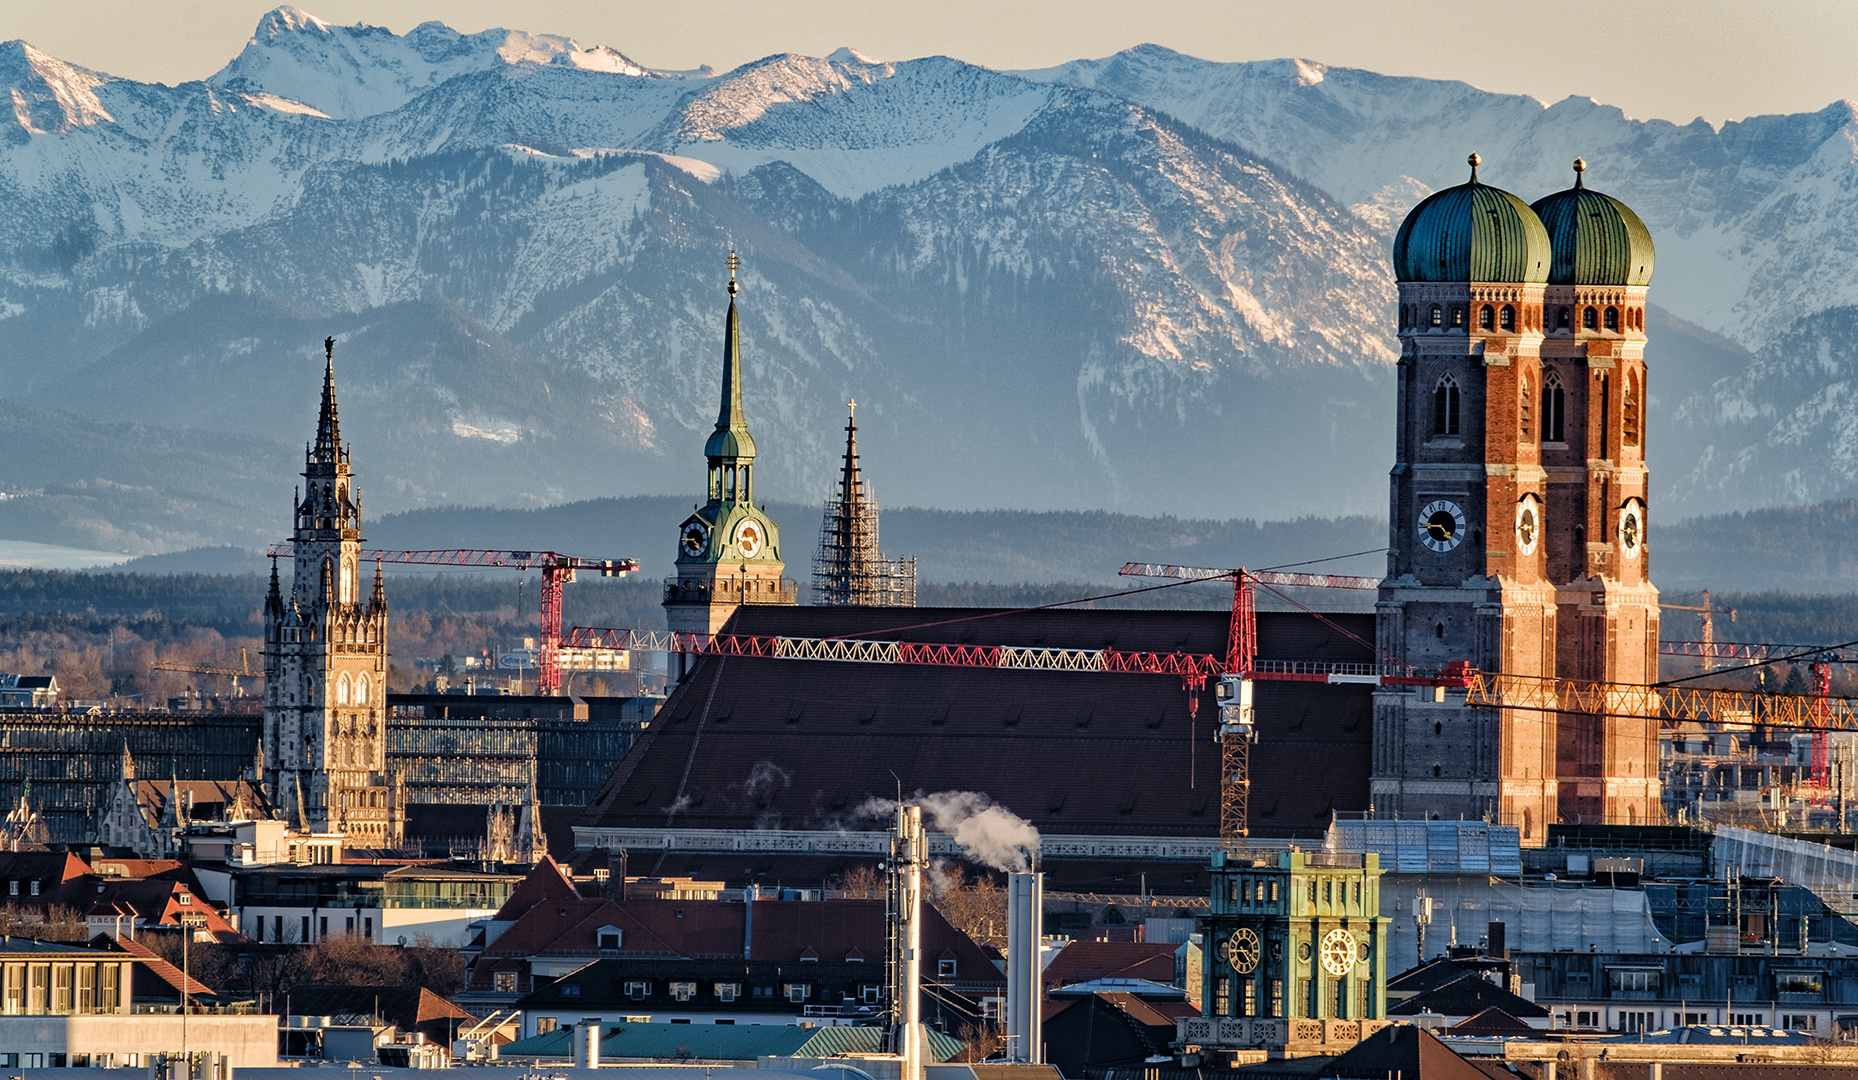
pixel 849 570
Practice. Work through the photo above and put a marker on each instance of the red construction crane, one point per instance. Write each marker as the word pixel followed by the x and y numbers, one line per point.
pixel 557 570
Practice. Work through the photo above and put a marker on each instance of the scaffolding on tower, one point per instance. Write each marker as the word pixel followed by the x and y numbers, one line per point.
pixel 849 570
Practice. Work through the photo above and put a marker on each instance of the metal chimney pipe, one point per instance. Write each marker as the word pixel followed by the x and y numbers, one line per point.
pixel 1025 983
pixel 911 855
pixel 587 1043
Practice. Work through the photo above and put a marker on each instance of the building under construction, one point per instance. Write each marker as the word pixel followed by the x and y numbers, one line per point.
pixel 849 570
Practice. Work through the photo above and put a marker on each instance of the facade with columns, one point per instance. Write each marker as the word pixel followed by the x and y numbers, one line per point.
pixel 729 550
pixel 326 661
pixel 1518 508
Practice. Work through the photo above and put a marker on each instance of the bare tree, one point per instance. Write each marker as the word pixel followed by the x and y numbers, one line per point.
pixel 863 883
pixel 975 906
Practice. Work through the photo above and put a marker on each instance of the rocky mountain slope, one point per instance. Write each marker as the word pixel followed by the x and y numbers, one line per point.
pixel 1146 283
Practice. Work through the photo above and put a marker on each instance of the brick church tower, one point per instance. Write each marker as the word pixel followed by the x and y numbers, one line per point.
pixel 326 661
pixel 1518 507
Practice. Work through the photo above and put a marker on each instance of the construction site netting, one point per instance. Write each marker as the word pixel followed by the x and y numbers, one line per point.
pixel 1463 867
pixel 1829 873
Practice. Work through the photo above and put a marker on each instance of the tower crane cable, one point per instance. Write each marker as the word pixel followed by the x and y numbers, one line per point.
pixel 1789 658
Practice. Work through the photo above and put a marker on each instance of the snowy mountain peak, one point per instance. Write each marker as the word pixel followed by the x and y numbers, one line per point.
pixel 49 95
pixel 288 20
pixel 845 54
pixel 352 72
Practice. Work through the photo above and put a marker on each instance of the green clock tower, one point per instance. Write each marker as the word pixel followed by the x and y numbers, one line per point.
pixel 1296 936
pixel 729 550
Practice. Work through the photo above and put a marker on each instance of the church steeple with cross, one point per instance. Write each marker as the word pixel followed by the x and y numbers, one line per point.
pixel 729 550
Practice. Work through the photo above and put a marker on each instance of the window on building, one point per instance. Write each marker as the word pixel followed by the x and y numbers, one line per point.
pixel 638 989
pixel 1437 315
pixel 1799 1022
pixel 1612 318
pixel 35 886
pixel 683 991
pixel 506 982
pixel 1636 980
pixel 1445 407
pixel 945 968
pixel 1249 998
pixel 571 990
pixel 1486 318
pixel 1798 982
pixel 1586 1019
pixel 1222 997
pixel 1277 998
pixel 546 1024
pixel 1562 318
pixel 1554 403
pixel 1274 891
pixel 1590 318
pixel 1629 413
pixel 1508 319
pixel 872 993
pixel 1748 1019
pixel 610 937
pixel 1457 317
pixel 728 991
pixel 796 992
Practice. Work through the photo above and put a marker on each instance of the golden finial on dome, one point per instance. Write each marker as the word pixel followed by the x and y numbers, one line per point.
pixel 1580 166
pixel 1474 161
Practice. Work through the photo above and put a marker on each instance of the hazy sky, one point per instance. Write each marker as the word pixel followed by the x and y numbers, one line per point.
pixel 1673 59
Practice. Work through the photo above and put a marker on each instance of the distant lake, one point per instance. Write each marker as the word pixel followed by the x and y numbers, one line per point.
pixel 25 554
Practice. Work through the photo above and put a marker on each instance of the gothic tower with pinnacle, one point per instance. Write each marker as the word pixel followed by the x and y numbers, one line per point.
pixel 729 550
pixel 326 661
pixel 1518 508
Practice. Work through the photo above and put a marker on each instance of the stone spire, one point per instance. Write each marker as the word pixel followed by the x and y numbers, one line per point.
pixel 328 431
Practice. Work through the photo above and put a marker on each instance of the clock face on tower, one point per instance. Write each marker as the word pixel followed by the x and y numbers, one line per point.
pixel 695 538
pixel 1631 532
pixel 1441 525
pixel 748 540
pixel 1528 526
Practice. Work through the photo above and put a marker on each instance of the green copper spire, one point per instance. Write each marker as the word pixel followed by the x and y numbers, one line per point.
pixel 731 441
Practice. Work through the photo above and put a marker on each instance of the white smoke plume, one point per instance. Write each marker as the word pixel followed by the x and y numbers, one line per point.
pixel 990 834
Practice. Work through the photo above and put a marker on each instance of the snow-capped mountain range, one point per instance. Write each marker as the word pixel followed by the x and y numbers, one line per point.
pixel 1148 282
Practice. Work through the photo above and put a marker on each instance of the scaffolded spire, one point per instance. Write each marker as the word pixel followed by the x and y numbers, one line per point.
pixel 849 570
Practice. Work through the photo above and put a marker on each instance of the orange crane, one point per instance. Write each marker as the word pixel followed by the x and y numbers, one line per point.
pixel 243 671
pixel 1707 611
pixel 557 570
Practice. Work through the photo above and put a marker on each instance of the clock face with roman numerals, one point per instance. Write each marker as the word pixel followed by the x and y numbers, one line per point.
pixel 1441 525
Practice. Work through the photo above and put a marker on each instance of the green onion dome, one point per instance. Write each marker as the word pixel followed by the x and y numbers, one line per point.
pixel 1473 232
pixel 1596 239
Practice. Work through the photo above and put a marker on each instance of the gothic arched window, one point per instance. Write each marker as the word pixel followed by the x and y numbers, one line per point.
pixel 1525 408
pixel 1612 318
pixel 1486 318
pixel 341 691
pixel 1554 402
pixel 361 691
pixel 1457 317
pixel 1437 315
pixel 1445 407
pixel 1590 319
pixel 1508 318
pixel 1629 412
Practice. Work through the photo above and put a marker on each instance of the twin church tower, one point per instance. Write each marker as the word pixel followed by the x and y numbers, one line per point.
pixel 1517 501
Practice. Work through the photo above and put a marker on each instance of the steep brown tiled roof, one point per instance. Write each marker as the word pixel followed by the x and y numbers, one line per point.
pixel 165 971
pixel 800 744
pixel 1082 961
pixel 1404 1050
